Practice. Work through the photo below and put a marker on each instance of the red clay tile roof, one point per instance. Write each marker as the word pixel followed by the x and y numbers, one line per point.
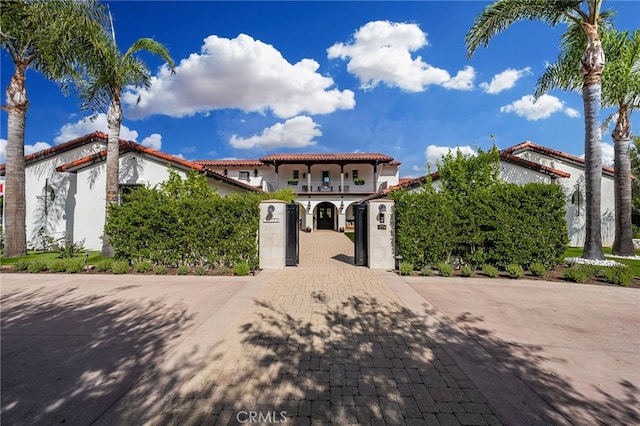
pixel 530 146
pixel 127 146
pixel 329 157
pixel 50 152
pixel 533 165
pixel 230 163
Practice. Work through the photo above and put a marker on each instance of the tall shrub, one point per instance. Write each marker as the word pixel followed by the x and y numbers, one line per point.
pixel 477 218
pixel 467 182
pixel 185 222
pixel 423 232
pixel 528 225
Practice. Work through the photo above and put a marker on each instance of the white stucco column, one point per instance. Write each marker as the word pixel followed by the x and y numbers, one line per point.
pixel 381 234
pixel 272 234
pixel 308 214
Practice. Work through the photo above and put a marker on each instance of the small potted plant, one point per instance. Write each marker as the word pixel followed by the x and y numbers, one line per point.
pixel 358 181
pixel 292 182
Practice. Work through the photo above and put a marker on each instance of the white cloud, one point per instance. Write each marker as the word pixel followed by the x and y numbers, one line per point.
pixel 297 132
pixel 435 153
pixel 153 141
pixel 38 146
pixel 380 52
pixel 534 110
pixel 608 154
pixel 463 80
pixel 28 149
pixel 238 73
pixel 418 169
pixel 505 80
pixel 573 113
pixel 86 125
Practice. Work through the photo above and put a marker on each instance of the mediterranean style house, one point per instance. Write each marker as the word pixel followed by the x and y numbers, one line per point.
pixel 65 185
pixel 328 185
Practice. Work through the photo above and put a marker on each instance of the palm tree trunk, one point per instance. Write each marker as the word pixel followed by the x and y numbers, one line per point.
pixel 591 66
pixel 623 243
pixel 14 197
pixel 114 120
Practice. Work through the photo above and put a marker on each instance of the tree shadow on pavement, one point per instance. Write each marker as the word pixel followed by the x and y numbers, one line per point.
pixel 350 361
pixel 360 361
pixel 530 364
pixel 67 357
pixel 320 360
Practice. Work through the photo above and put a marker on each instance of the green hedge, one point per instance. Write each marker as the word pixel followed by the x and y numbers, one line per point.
pixel 475 217
pixel 184 222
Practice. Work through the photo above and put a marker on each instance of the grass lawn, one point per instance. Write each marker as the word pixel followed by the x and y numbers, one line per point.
pixel 94 256
pixel 633 263
pixel 351 236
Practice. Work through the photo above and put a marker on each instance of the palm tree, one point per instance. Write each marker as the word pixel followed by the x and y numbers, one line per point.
pixel 620 89
pixel 51 37
pixel 499 16
pixel 101 90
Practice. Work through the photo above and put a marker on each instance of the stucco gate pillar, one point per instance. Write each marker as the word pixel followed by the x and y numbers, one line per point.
pixel 272 234
pixel 381 242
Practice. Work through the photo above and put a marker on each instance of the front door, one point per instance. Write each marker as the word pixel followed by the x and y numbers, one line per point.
pixel 325 218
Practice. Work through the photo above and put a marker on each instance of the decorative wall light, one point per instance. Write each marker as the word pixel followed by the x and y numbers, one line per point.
pixel 270 210
pixel 341 206
pixel 309 207
pixel 381 211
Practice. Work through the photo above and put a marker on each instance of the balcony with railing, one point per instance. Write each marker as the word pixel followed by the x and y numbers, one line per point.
pixel 325 187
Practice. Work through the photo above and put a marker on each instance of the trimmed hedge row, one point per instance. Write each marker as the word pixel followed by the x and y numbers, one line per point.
pixel 475 218
pixel 183 222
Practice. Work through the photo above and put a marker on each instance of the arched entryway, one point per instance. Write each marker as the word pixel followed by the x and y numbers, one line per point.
pixel 325 216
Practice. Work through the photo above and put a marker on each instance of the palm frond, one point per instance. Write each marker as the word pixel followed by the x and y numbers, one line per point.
pixel 151 46
pixel 621 76
pixel 500 15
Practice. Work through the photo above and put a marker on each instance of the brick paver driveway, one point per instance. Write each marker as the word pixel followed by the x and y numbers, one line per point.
pixel 322 343
pixel 325 342
pixel 328 342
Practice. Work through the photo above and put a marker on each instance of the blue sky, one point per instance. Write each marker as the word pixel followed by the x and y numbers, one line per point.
pixel 255 78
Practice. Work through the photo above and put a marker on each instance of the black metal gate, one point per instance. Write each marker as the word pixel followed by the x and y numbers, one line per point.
pixel 361 257
pixel 292 250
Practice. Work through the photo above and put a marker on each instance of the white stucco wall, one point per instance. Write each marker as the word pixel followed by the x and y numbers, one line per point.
pixel 514 173
pixel 575 185
pixel 135 169
pixel 58 220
